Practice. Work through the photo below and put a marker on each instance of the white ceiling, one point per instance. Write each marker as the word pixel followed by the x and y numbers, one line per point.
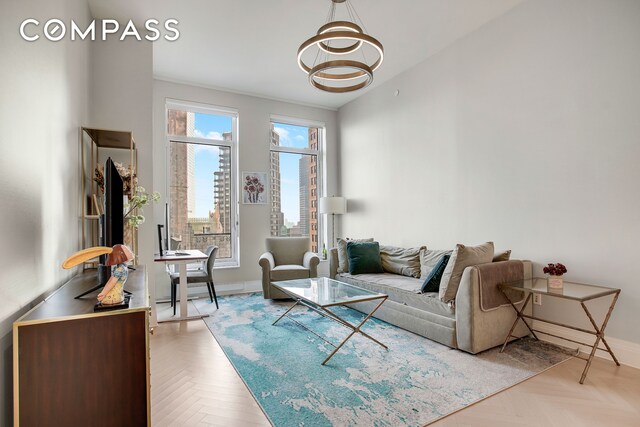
pixel 250 46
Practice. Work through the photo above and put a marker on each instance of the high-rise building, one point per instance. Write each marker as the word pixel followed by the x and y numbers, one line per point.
pixel 191 167
pixel 178 187
pixel 188 231
pixel 303 184
pixel 277 217
pixel 222 187
pixel 182 187
pixel 312 179
pixel 221 218
pixel 307 183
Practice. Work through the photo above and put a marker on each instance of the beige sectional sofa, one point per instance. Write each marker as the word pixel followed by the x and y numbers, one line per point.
pixel 478 318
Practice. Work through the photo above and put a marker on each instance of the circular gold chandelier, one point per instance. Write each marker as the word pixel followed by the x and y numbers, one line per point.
pixel 341 75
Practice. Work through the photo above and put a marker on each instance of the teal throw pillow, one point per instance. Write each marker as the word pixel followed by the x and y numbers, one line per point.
pixel 432 282
pixel 364 257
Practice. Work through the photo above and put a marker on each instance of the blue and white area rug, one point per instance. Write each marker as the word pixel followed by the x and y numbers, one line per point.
pixel 414 383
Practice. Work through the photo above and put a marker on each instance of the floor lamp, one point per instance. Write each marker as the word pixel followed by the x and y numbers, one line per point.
pixel 334 206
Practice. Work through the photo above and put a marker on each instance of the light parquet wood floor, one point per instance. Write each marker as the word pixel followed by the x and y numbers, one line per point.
pixel 194 384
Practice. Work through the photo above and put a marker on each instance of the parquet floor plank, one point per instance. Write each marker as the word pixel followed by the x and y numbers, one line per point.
pixel 194 384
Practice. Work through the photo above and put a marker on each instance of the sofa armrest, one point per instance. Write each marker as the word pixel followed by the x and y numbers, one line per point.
pixel 478 330
pixel 310 260
pixel 333 262
pixel 266 261
pixel 267 264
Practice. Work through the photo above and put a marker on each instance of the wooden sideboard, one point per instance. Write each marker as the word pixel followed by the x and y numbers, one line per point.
pixel 74 366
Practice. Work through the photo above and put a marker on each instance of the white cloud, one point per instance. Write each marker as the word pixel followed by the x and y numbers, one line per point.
pixel 299 138
pixel 202 148
pixel 285 138
pixel 210 135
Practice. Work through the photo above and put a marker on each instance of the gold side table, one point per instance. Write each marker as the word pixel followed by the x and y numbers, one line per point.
pixel 570 291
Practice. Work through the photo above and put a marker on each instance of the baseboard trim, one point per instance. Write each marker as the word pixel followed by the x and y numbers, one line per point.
pixel 627 352
pixel 222 289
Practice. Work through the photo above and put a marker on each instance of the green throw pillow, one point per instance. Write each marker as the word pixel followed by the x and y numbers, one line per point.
pixel 364 257
pixel 432 282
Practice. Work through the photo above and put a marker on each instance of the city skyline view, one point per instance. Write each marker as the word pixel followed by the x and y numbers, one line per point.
pixel 207 160
pixel 201 175
pixel 296 137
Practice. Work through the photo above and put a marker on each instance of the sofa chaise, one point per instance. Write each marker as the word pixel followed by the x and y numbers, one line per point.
pixel 476 319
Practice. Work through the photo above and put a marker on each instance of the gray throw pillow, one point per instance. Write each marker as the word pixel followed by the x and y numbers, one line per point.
pixel 343 258
pixel 429 259
pixel 403 261
pixel 461 258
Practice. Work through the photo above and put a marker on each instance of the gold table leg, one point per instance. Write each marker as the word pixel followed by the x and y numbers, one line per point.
pixel 354 330
pixel 599 336
pixel 286 312
pixel 331 315
pixel 518 317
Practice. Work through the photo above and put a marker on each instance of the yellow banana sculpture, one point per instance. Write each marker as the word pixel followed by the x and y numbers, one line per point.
pixel 85 255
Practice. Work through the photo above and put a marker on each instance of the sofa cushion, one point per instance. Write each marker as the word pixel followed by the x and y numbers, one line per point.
pixel 429 259
pixel 289 272
pixel 401 289
pixel 432 281
pixel 343 258
pixel 403 261
pixel 461 258
pixel 364 257
pixel 502 256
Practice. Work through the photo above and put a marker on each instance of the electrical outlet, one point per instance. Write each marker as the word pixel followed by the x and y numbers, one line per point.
pixel 537 299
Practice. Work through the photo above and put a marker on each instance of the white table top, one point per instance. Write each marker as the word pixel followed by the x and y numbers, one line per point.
pixel 193 255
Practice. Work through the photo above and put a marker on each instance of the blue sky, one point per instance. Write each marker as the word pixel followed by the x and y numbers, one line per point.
pixel 206 159
pixel 206 162
pixel 291 136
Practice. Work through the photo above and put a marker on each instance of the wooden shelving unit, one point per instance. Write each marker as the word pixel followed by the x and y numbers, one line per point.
pixel 101 139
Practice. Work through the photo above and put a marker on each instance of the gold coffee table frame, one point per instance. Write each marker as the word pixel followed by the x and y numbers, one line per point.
pixel 309 293
pixel 571 291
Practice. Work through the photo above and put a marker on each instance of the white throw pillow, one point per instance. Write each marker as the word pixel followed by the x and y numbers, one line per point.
pixel 429 259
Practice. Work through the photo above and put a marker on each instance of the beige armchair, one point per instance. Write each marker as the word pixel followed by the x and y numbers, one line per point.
pixel 287 258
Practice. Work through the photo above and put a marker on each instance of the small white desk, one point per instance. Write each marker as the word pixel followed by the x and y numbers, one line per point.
pixel 181 261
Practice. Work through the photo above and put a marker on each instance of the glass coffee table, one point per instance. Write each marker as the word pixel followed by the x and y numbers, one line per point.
pixel 318 294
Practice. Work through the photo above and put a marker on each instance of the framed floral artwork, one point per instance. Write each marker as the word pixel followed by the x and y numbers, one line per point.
pixel 254 188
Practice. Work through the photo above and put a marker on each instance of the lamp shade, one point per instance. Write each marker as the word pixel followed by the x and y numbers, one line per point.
pixel 333 205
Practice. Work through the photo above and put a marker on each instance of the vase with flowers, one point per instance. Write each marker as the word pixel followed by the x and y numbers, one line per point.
pixel 555 272
pixel 133 212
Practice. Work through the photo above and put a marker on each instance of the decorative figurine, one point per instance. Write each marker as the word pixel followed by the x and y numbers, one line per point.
pixel 113 292
pixel 112 295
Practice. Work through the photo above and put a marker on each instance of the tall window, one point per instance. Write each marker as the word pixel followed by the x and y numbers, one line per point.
pixel 202 144
pixel 296 154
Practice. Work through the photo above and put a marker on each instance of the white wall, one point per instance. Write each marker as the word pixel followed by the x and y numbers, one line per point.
pixel 122 94
pixel 44 91
pixel 254 124
pixel 526 133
